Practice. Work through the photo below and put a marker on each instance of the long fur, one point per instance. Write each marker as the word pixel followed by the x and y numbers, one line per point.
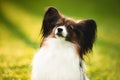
pixel 64 44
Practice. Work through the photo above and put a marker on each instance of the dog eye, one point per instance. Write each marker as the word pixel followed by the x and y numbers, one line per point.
pixel 57 25
pixel 71 27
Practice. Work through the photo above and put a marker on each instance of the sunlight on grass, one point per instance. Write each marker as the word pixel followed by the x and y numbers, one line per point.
pixel 15 57
pixel 103 62
pixel 30 23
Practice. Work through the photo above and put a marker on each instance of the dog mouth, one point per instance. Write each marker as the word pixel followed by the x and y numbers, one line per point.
pixel 59 35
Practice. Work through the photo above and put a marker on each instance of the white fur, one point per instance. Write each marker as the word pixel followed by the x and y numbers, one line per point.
pixel 57 60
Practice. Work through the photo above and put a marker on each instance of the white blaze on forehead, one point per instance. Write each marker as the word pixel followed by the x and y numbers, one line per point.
pixel 64 32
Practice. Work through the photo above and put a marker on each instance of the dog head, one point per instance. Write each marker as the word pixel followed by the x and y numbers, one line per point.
pixel 81 33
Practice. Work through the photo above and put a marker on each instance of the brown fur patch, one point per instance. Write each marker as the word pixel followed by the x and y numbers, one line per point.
pixel 65 21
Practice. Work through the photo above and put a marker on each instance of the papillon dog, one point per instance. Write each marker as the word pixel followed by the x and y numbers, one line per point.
pixel 64 44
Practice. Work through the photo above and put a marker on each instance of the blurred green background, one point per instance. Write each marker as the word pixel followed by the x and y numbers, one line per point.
pixel 20 22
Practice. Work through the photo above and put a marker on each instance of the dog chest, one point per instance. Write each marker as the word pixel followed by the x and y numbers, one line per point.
pixel 56 62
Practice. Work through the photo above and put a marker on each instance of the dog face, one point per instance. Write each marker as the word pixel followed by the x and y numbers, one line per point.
pixel 81 33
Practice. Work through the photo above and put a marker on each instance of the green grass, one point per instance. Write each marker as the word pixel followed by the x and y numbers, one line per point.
pixel 19 39
pixel 15 57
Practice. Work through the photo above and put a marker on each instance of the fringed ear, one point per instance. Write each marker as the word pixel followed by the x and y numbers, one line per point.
pixel 50 18
pixel 88 30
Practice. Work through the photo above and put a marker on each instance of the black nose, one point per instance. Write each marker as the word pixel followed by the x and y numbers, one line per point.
pixel 60 30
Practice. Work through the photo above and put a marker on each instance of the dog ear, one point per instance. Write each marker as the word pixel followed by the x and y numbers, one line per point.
pixel 50 18
pixel 88 30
